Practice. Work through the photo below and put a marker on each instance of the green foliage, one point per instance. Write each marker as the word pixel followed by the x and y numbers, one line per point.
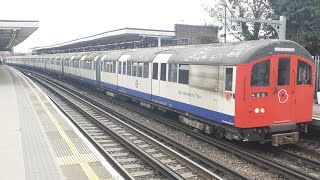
pixel 303 21
pixel 242 8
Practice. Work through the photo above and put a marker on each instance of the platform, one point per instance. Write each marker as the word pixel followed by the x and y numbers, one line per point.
pixel 316 116
pixel 37 140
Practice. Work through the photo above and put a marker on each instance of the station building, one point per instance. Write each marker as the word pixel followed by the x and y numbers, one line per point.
pixel 130 38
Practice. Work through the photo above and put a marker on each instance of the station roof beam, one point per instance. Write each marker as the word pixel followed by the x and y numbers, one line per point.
pixel 13 32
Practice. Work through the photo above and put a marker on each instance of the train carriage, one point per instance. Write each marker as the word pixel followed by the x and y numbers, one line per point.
pixel 136 73
pixel 109 68
pixel 250 91
pixel 88 67
pixel 66 66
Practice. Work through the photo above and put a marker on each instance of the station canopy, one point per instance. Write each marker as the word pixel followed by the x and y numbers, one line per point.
pixel 13 32
pixel 117 39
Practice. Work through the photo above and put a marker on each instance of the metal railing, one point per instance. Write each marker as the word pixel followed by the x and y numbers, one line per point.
pixel 316 72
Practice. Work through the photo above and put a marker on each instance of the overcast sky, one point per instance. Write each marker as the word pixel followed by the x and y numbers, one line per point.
pixel 65 20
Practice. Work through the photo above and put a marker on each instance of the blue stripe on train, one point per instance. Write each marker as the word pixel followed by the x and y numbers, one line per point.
pixel 209 114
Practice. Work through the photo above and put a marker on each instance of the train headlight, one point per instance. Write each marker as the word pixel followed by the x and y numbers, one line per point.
pixel 262 110
pixel 256 110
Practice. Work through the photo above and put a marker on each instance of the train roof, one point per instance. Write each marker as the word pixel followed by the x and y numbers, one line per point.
pixel 207 54
pixel 223 53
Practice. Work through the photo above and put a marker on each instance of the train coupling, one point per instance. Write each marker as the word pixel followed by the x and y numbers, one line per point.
pixel 285 138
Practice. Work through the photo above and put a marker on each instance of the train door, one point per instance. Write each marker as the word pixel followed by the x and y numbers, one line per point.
pixel 62 65
pixel 303 89
pixel 122 60
pixel 98 70
pixel 158 66
pixel 283 95
pixel 229 90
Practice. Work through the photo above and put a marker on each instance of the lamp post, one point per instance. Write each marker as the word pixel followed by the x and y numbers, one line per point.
pixel 224 4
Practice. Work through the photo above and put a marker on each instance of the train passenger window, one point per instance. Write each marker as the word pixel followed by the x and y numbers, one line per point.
pixel 129 69
pixel 106 66
pixel 134 69
pixel 173 73
pixel 155 71
pixel 82 65
pixel 75 64
pixel 94 65
pixel 229 73
pixel 114 67
pixel 183 74
pixel 260 74
pixel 66 62
pixel 303 73
pixel 102 66
pixel 163 75
pixel 145 70
pixel 111 67
pixel 124 70
pixel 88 65
pixel 283 71
pixel 139 69
pixel 119 67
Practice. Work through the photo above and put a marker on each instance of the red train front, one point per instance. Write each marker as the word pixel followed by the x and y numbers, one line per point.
pixel 275 94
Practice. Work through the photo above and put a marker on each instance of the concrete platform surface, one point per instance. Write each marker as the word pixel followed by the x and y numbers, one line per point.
pixel 37 140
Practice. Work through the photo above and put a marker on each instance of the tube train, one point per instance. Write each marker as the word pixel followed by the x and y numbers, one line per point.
pixel 250 91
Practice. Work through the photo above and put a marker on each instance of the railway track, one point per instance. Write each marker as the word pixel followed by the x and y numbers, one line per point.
pixel 244 153
pixel 131 150
pixel 307 161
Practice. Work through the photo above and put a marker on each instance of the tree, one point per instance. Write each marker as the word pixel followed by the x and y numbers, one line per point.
pixel 259 9
pixel 303 21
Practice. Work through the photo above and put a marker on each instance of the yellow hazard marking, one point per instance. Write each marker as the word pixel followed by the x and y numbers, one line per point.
pixel 85 166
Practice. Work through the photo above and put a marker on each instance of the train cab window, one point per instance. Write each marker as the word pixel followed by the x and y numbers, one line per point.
pixel 94 65
pixel 229 73
pixel 283 71
pixel 145 70
pixel 303 73
pixel 155 71
pixel 163 70
pixel 183 74
pixel 173 73
pixel 124 68
pixel 260 74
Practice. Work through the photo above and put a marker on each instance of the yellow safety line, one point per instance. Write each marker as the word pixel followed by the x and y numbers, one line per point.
pixel 86 168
